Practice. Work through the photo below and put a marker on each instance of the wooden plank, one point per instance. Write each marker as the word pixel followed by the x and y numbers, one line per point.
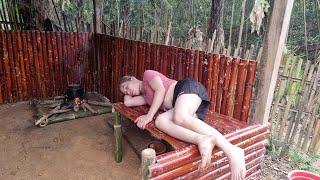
pixel 232 86
pixel 55 63
pixel 225 88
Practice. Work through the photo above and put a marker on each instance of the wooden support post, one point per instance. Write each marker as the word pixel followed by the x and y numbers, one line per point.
pixel 118 137
pixel 271 57
pixel 148 157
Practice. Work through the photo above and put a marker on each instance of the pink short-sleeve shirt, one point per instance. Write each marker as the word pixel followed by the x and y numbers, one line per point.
pixel 147 91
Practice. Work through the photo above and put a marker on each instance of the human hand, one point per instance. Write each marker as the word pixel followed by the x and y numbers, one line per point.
pixel 143 120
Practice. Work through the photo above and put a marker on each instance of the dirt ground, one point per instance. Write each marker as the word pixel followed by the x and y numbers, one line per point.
pixel 79 149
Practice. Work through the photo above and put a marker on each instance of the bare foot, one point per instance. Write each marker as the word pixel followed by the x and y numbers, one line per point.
pixel 205 145
pixel 237 163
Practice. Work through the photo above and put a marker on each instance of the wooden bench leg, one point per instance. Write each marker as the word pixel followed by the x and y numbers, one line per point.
pixel 148 157
pixel 117 136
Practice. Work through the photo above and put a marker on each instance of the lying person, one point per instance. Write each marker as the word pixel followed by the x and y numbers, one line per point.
pixel 185 103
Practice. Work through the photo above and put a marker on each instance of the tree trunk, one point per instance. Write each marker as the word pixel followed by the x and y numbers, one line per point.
pixel 33 13
pixel 215 23
pixel 98 16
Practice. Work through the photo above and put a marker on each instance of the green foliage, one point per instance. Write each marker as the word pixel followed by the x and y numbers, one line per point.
pixel 303 161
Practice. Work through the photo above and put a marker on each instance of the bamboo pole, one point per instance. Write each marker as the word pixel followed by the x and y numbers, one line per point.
pixel 220 83
pixel 217 168
pixel 14 70
pixel 257 149
pixel 251 137
pixel 232 87
pixel 196 65
pixel 241 79
pixel 166 157
pixel 225 87
pixel 280 92
pixel 6 65
pixel 22 65
pixel 214 80
pixel 248 90
pixel 310 128
pixel 209 79
pixel 290 98
pixel 118 137
pixel 45 62
pixel 147 159
pixel 309 103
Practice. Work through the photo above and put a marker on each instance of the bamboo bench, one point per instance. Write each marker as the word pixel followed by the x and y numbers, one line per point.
pixel 230 83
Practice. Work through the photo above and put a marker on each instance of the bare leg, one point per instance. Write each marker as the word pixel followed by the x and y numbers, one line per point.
pixel 205 143
pixel 184 116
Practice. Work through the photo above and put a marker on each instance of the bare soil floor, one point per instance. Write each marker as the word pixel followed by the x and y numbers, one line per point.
pixel 78 149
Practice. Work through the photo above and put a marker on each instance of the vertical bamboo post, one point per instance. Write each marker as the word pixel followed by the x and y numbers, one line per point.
pixel 148 157
pixel 248 90
pixel 118 137
pixel 226 86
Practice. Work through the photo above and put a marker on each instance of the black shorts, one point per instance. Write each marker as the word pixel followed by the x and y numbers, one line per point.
pixel 190 86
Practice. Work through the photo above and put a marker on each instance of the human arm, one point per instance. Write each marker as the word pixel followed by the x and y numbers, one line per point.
pixel 159 95
pixel 130 101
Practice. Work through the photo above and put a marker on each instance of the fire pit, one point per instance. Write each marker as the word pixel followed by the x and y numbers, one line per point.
pixel 76 103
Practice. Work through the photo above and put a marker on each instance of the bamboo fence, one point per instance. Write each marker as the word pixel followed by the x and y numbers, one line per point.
pixel 36 64
pixel 295 111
